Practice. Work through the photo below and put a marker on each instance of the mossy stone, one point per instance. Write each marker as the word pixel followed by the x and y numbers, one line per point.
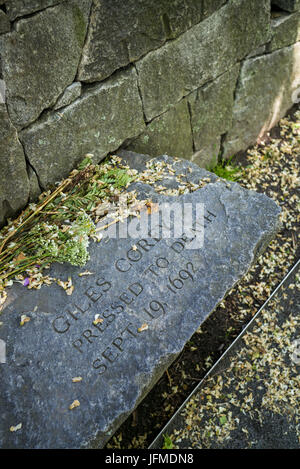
pixel 202 53
pixel 168 134
pixel 47 49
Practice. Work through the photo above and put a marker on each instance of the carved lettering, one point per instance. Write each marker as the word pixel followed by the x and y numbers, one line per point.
pixel 178 246
pixel 87 334
pixel 136 289
pixel 77 344
pixel 134 254
pixel 155 310
pixel 94 293
pixel 145 244
pixel 117 343
pixel 100 367
pixel 123 265
pixel 160 263
pixel 110 355
pixel 177 282
pixel 61 325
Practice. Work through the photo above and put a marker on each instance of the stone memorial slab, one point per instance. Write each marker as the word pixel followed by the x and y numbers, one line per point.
pixel 149 294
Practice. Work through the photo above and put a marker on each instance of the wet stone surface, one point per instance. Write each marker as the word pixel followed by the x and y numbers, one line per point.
pixel 149 294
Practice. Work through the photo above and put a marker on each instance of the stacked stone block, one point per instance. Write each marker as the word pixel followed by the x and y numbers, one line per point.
pixel 198 79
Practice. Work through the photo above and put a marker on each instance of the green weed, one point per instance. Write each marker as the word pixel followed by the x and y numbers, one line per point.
pixel 168 443
pixel 225 169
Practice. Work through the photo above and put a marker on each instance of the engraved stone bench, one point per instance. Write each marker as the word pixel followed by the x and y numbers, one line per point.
pixel 152 294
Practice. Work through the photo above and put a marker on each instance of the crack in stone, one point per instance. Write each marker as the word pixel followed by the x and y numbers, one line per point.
pixel 31 15
pixel 140 94
pixel 235 93
pixel 191 124
pixel 222 143
pixel 268 52
pixel 227 215
pixel 17 137
pixel 29 164
pixel 3 8
pixel 85 40
pixel 133 62
pixel 238 82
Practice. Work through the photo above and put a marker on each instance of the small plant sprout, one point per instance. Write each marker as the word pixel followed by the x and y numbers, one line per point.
pixel 168 443
pixel 225 169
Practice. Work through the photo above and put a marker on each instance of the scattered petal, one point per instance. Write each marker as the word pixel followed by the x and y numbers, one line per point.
pixel 16 428
pixel 24 319
pixel 74 404
pixel 98 319
pixel 86 272
pixel 26 282
pixel 77 379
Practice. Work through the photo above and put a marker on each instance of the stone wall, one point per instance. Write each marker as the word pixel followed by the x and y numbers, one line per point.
pixel 198 79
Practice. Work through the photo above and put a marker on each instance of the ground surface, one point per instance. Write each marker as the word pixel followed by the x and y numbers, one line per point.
pixel 271 168
pixel 250 399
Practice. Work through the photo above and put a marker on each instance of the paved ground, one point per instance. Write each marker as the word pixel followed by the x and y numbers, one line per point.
pixel 251 397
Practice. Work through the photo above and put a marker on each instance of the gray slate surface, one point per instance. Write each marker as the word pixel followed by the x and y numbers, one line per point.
pixel 118 364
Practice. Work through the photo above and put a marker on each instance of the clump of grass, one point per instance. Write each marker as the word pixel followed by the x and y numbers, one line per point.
pixel 58 227
pixel 168 443
pixel 225 169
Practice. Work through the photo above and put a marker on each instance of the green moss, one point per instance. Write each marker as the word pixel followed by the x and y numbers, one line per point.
pixel 168 443
pixel 79 24
pixel 225 169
